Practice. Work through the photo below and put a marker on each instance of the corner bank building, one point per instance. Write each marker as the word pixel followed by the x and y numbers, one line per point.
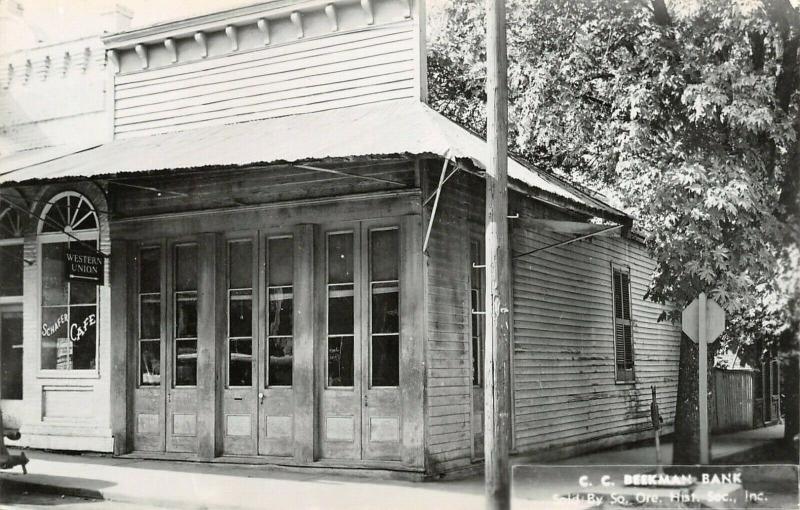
pixel 266 248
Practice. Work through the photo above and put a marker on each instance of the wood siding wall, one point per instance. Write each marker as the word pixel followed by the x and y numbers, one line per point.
pixel 449 372
pixel 351 68
pixel 565 394
pixel 564 371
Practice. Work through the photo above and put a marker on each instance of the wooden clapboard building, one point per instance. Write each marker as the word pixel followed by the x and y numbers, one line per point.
pixel 293 243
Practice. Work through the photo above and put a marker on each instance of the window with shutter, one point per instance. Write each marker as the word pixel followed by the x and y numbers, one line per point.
pixel 623 327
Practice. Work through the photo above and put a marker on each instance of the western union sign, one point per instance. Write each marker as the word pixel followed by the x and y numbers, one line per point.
pixel 85 266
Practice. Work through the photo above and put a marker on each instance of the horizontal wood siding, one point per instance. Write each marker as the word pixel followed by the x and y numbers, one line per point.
pixel 449 370
pixel 347 69
pixel 564 370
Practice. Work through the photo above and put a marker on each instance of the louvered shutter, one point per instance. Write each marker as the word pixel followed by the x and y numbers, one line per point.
pixel 623 329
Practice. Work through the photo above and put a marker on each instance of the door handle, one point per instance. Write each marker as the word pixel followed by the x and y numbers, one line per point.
pixel 366 401
pixel 260 398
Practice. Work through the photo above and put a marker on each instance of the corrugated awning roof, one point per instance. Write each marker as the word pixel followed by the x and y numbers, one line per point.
pixel 378 129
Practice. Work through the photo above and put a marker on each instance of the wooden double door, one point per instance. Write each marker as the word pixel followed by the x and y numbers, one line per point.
pixel 359 361
pixel 281 343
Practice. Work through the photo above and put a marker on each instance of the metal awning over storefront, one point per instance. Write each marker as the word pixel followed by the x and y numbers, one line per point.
pixel 404 127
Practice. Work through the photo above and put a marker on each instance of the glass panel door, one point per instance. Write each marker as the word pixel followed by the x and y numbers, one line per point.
pixel 276 401
pixel 182 395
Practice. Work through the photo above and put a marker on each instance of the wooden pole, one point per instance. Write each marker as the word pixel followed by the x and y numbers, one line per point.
pixel 702 382
pixel 497 401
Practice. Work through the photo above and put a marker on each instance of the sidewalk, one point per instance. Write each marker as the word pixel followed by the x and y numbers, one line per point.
pixel 198 485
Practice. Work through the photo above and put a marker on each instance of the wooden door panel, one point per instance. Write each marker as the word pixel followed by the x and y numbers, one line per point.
pixel 276 431
pixel 340 427
pixel 148 420
pixel 382 424
pixel 239 422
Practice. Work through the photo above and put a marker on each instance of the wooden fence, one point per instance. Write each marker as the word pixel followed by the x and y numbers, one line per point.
pixel 732 400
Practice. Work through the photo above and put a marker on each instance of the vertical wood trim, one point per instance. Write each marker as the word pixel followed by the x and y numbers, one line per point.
pixel 219 269
pixel 120 345
pixel 207 373
pixel 303 379
pixel 320 354
pixel 420 55
pixel 412 361
pixel 110 95
pixel 466 290
pixel 513 379
pixel 424 317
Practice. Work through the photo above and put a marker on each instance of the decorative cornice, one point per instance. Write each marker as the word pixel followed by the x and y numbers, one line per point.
pixel 141 50
pixel 330 11
pixel 230 31
pixel 169 44
pixel 263 27
pixel 237 24
pixel 297 21
pixel 200 38
pixel 367 6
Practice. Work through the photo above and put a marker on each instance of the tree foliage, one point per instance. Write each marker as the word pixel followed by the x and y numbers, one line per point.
pixel 687 112
pixel 679 109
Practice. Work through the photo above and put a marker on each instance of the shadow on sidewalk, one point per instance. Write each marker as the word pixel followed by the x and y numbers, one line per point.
pixel 17 489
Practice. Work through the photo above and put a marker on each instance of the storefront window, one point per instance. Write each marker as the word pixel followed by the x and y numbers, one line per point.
pixel 385 302
pixel 340 309
pixel 12 265
pixel 150 316
pixel 280 315
pixel 11 355
pixel 68 306
pixel 240 313
pixel 185 315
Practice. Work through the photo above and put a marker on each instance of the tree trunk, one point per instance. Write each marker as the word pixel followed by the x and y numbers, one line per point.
pixel 686 446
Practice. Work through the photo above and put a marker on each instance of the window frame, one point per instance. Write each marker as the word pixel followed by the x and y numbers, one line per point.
pixel 622 376
pixel 74 236
pixel 173 246
pixel 143 246
pixel 477 313
pixel 265 282
pixel 366 252
pixel 354 232
pixel 14 308
pixel 229 291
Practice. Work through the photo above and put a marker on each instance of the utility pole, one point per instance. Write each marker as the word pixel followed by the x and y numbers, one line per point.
pixel 497 400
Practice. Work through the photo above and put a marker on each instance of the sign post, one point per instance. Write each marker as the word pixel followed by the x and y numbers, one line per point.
pixel 702 381
pixel 703 321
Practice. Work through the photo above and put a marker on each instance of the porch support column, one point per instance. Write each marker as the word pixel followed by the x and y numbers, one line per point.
pixel 304 339
pixel 121 345
pixel 412 361
pixel 209 320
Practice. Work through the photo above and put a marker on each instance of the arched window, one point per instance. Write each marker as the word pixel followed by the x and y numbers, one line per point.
pixel 68 212
pixel 68 234
pixel 11 269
